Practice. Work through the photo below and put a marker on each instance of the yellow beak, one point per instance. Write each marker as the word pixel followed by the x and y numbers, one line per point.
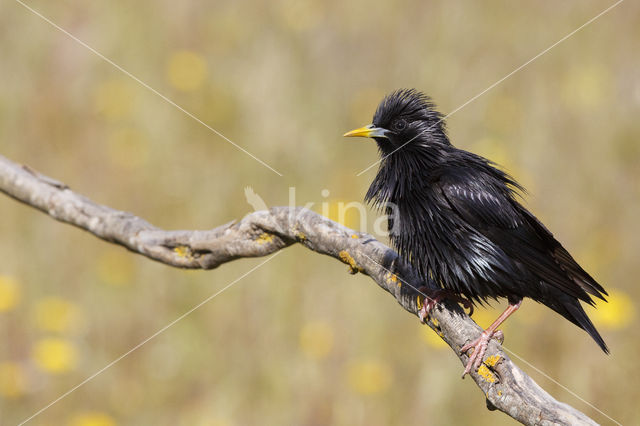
pixel 369 131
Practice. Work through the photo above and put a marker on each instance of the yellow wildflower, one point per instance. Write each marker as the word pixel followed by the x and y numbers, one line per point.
pixel 616 314
pixel 115 267
pixel 13 380
pixel 316 339
pixel 92 418
pixel 55 355
pixel 113 99
pixel 368 377
pixel 186 70
pixel 56 315
pixel 9 293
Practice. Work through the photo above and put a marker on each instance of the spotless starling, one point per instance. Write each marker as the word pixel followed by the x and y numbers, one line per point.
pixel 458 221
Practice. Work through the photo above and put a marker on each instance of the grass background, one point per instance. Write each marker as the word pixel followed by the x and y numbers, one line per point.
pixel 299 341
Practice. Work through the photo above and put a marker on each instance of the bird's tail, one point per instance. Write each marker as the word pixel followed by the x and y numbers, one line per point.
pixel 572 310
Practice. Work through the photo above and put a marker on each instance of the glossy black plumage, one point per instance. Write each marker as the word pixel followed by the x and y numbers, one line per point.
pixel 459 220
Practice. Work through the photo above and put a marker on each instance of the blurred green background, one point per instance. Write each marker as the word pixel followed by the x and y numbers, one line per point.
pixel 299 341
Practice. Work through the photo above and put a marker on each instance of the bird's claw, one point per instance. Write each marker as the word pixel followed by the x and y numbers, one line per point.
pixel 479 347
pixel 429 302
pixel 425 310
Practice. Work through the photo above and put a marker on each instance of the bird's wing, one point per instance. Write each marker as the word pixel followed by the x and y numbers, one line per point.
pixel 487 204
pixel 480 202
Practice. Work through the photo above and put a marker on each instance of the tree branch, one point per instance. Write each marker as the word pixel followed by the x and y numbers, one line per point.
pixel 506 387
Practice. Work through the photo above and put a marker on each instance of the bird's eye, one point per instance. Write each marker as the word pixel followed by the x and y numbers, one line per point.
pixel 399 125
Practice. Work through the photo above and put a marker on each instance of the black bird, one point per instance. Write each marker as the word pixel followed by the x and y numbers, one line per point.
pixel 458 221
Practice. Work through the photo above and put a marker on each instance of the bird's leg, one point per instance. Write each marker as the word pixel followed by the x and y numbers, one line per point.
pixel 433 297
pixel 480 344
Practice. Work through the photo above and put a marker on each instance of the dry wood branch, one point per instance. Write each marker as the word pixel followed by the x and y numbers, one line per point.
pixel 506 387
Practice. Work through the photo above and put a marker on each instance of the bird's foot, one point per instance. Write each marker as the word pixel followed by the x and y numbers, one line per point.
pixel 479 347
pixel 428 302
pixel 431 298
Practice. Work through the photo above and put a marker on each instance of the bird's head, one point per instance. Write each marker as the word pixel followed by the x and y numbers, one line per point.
pixel 404 118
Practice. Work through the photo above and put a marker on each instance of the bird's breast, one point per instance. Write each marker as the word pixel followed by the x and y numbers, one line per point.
pixel 440 245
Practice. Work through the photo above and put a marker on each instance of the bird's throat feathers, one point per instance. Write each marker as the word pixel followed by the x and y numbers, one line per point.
pixel 401 171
